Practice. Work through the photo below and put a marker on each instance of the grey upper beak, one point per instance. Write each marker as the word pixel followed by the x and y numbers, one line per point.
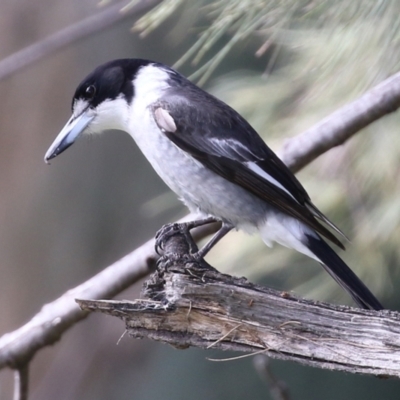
pixel 73 128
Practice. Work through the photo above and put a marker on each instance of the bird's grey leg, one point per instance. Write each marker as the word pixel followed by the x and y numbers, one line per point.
pixel 225 228
pixel 184 228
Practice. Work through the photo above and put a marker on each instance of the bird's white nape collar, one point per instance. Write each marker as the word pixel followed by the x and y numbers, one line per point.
pixel 150 83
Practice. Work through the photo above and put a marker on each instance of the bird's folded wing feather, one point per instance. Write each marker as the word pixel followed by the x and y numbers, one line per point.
pixel 232 149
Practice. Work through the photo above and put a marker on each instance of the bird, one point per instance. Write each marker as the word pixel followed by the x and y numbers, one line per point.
pixel 211 157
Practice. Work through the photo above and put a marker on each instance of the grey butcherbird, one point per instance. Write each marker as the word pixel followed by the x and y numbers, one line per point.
pixel 210 156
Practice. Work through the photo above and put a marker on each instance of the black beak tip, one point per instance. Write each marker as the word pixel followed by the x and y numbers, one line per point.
pixel 49 157
pixel 60 149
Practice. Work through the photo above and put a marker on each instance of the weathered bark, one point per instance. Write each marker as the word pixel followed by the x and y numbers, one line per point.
pixel 188 303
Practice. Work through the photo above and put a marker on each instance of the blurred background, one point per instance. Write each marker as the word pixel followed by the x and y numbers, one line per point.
pixel 283 66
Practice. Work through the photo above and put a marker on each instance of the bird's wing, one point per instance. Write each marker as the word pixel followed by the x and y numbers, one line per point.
pixel 231 148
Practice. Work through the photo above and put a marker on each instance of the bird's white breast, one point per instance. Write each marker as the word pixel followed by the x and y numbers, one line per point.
pixel 200 188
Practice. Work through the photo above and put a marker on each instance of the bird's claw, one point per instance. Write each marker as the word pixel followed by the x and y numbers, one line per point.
pixel 166 261
pixel 163 234
pixel 163 262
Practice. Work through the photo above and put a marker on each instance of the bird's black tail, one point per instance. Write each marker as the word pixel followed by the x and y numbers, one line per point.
pixel 342 274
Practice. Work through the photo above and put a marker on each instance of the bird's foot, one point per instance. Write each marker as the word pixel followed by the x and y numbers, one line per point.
pixel 182 228
pixel 188 263
pixel 169 230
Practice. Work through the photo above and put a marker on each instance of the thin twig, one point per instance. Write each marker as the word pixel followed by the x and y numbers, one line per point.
pixel 277 388
pixel 227 359
pixel 223 337
pixel 21 383
pixel 71 34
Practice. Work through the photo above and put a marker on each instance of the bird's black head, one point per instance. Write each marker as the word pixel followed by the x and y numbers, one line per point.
pixel 109 81
pixel 100 102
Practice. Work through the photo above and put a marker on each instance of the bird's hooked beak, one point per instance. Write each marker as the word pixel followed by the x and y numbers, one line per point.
pixel 73 128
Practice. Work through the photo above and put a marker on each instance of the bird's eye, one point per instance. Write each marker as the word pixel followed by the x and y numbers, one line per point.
pixel 90 92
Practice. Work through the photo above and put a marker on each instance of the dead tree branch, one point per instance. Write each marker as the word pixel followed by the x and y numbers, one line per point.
pixel 187 303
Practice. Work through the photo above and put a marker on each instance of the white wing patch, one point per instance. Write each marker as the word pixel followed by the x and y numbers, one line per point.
pixel 164 120
pixel 224 145
pixel 259 171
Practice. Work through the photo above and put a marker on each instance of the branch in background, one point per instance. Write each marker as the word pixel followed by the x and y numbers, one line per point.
pixel 278 389
pixel 341 125
pixel 188 304
pixel 71 34
pixel 18 347
pixel 46 327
